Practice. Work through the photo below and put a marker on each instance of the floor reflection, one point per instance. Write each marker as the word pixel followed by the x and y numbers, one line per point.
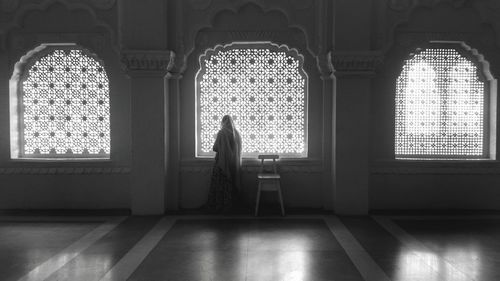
pixel 294 266
pixel 281 256
pixel 216 260
pixel 279 265
pixel 453 264
pixel 69 267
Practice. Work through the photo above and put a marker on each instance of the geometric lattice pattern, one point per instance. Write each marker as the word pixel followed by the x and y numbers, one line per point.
pixel 439 107
pixel 65 106
pixel 264 90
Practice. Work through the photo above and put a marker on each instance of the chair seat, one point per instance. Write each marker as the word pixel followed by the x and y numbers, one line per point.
pixel 268 176
pixel 269 181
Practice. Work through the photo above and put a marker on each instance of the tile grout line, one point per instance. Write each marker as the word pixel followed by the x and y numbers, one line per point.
pixel 124 268
pixel 411 242
pixel 247 254
pixel 47 268
pixel 366 266
pixel 444 217
pixel 58 218
pixel 249 217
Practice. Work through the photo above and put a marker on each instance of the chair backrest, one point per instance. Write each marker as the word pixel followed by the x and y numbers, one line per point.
pixel 264 157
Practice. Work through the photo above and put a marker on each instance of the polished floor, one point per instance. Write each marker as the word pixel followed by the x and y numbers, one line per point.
pixel 326 247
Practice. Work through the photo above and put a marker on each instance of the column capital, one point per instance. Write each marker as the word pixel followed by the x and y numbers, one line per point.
pixel 356 63
pixel 147 62
pixel 325 65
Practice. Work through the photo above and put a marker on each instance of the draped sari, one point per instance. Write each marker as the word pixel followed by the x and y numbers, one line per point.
pixel 224 183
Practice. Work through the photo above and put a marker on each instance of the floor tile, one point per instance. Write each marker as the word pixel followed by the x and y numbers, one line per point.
pixel 207 235
pixel 300 265
pixel 380 245
pixel 258 249
pixel 95 261
pixel 468 246
pixel 176 265
pixel 25 245
pixel 291 235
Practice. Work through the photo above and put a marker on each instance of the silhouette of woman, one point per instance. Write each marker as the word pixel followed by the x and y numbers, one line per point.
pixel 224 183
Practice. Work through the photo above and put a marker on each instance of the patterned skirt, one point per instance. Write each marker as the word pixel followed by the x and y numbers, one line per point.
pixel 221 192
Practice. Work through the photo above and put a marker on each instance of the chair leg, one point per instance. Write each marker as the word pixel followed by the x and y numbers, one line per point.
pixel 257 200
pixel 281 199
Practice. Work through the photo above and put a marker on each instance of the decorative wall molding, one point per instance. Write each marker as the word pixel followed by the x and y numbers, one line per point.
pixel 356 62
pixel 207 169
pixel 409 39
pixel 64 170
pixel 103 4
pixel 200 4
pixel 148 60
pixel 100 22
pixel 403 5
pixel 413 168
pixel 10 6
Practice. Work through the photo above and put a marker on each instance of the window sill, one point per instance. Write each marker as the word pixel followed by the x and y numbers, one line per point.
pixel 435 167
pixel 43 166
pixel 61 160
pixel 253 160
pixel 291 165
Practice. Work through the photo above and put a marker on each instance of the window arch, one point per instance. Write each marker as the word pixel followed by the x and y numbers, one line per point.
pixel 264 87
pixel 442 105
pixel 60 105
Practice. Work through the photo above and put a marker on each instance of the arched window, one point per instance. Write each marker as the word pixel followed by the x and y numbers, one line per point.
pixel 443 106
pixel 60 104
pixel 264 87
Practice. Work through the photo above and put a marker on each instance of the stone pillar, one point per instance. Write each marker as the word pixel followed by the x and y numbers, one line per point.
pixel 173 153
pixel 325 67
pixel 147 70
pixel 353 73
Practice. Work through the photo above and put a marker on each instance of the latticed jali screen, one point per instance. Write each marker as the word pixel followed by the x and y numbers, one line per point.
pixel 439 106
pixel 265 92
pixel 65 98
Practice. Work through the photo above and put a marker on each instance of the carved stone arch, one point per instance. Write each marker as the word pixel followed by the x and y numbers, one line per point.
pixel 264 7
pixel 402 12
pixel 463 49
pixel 291 60
pixel 25 10
pixel 401 42
pixel 481 70
pixel 10 6
pixel 22 72
pixel 42 49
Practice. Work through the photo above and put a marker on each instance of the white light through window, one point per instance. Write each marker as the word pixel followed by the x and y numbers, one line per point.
pixel 264 88
pixel 65 106
pixel 440 101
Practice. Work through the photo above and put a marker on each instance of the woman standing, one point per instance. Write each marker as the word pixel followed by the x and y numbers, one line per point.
pixel 224 184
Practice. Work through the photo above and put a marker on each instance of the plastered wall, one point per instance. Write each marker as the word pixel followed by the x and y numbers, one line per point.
pixel 353 50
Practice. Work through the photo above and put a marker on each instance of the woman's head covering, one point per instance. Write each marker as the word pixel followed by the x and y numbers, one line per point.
pixel 227 125
pixel 227 122
pixel 228 146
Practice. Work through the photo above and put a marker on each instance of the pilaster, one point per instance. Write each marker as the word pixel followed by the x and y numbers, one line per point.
pixel 147 70
pixel 353 72
pixel 326 70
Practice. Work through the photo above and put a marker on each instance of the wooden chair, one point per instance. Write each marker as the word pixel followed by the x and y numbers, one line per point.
pixel 268 181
